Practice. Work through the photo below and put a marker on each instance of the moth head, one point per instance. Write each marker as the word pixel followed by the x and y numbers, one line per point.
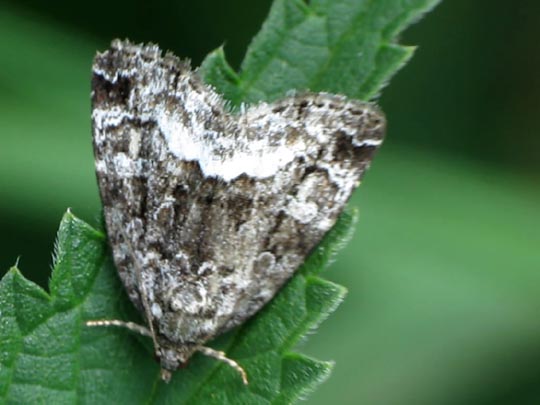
pixel 173 358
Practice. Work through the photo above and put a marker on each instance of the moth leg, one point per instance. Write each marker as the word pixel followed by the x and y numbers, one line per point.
pixel 142 330
pixel 219 355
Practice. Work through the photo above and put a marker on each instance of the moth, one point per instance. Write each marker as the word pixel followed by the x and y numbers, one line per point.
pixel 209 211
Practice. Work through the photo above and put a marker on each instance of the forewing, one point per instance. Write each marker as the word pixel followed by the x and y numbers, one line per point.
pixel 316 149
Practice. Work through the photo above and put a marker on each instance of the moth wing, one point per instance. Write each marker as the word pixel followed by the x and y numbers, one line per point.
pixel 209 213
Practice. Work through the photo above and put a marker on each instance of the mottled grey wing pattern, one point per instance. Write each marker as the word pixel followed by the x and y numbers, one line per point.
pixel 210 212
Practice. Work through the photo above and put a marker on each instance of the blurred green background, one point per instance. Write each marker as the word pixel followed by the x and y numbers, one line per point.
pixel 444 271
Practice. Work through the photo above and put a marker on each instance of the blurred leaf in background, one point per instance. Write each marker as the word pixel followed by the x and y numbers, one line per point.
pixel 444 270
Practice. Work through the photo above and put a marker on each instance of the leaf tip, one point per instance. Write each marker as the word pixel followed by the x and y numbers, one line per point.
pixel 12 272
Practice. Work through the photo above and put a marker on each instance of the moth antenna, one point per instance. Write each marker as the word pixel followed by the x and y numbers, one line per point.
pixel 219 355
pixel 142 330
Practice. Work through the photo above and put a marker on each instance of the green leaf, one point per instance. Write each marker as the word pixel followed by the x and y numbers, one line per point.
pixel 46 352
pixel 338 46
